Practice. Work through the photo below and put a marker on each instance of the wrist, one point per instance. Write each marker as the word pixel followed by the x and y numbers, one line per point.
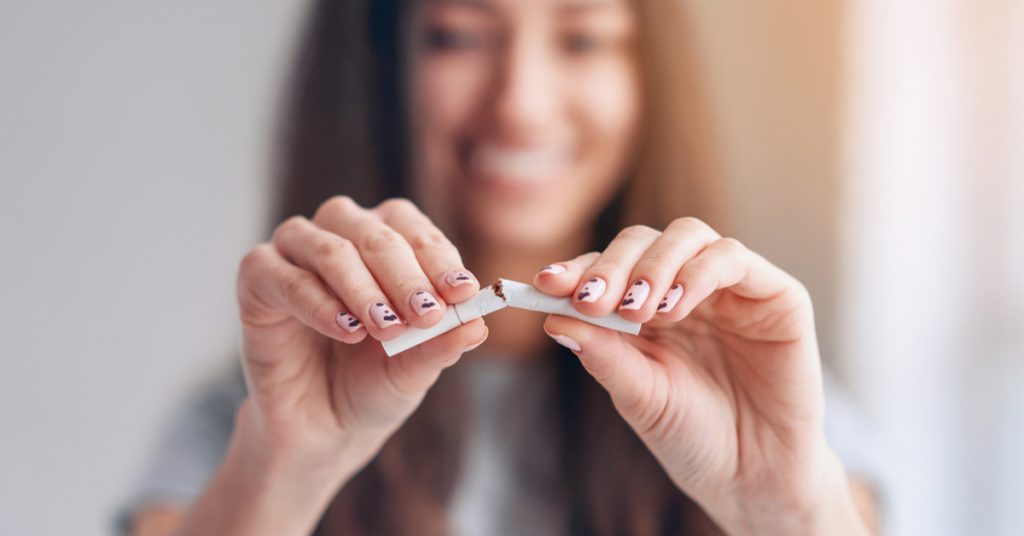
pixel 265 487
pixel 825 507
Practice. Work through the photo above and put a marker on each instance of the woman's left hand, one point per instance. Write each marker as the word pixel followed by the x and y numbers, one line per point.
pixel 723 384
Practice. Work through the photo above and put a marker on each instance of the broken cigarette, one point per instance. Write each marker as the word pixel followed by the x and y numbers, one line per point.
pixel 504 293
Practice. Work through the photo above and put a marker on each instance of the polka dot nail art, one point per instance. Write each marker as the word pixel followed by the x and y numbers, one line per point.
pixel 423 302
pixel 458 278
pixel 348 322
pixel 671 298
pixel 636 296
pixel 382 314
pixel 553 269
pixel 592 290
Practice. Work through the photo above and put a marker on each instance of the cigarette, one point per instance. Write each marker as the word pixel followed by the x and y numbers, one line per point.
pixel 504 293
pixel 484 303
pixel 523 296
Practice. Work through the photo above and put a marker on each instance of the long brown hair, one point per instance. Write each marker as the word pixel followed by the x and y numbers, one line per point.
pixel 345 131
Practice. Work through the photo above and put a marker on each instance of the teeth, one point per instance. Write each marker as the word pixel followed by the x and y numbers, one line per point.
pixel 521 165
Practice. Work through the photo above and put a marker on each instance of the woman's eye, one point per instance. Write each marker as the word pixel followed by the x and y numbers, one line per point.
pixel 446 39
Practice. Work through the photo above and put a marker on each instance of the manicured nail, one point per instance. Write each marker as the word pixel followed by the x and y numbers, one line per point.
pixel 567 342
pixel 423 302
pixel 383 315
pixel 592 290
pixel 554 269
pixel 671 298
pixel 636 296
pixel 456 278
pixel 348 322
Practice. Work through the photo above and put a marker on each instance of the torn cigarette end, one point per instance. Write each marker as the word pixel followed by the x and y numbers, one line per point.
pixel 498 290
pixel 503 293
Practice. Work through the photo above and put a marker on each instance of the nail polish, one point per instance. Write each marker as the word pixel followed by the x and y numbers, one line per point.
pixel 456 278
pixel 554 269
pixel 383 315
pixel 636 295
pixel 671 298
pixel 348 322
pixel 592 290
pixel 567 342
pixel 423 302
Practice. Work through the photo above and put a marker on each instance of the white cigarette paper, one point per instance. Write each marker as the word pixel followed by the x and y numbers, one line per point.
pixel 485 302
pixel 504 293
pixel 523 296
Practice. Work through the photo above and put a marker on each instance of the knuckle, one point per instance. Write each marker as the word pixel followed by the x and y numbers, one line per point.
pixel 396 205
pixel 335 204
pixel 428 240
pixel 321 314
pixel 254 260
pixel 698 269
pixel 381 239
pixel 330 247
pixel 288 225
pixel 636 231
pixel 656 262
pixel 293 285
pixel 690 223
pixel 730 245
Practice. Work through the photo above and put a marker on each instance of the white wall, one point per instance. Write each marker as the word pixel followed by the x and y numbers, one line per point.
pixel 932 298
pixel 132 179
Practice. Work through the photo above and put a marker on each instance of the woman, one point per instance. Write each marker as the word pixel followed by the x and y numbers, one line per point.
pixel 561 134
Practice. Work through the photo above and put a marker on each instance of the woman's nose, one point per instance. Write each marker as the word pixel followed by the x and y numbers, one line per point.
pixel 526 97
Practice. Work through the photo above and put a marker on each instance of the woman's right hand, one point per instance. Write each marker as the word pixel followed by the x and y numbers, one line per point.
pixel 314 303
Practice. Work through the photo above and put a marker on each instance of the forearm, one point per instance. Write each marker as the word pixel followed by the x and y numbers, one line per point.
pixel 256 492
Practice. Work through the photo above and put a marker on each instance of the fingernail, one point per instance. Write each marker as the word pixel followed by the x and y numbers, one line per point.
pixel 636 296
pixel 423 302
pixel 383 315
pixel 592 290
pixel 671 298
pixel 456 278
pixel 554 269
pixel 567 342
pixel 474 345
pixel 348 322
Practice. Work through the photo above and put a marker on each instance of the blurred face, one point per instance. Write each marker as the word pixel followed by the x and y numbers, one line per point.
pixel 524 113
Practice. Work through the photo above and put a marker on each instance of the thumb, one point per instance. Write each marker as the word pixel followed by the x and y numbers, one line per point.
pixel 415 370
pixel 626 373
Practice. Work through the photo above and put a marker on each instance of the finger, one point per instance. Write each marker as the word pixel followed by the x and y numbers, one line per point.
pixel 655 272
pixel 623 370
pixel 416 369
pixel 602 286
pixel 268 278
pixel 337 262
pixel 727 264
pixel 389 258
pixel 438 257
pixel 560 278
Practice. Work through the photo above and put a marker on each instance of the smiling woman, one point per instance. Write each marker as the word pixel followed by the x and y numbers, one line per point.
pixel 473 140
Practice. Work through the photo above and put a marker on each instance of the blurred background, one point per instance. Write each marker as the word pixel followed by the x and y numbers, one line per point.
pixel 875 149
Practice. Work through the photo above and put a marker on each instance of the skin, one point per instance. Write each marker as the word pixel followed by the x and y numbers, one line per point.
pixel 724 386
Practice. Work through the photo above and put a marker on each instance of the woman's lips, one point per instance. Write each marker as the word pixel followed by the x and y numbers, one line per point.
pixel 517 170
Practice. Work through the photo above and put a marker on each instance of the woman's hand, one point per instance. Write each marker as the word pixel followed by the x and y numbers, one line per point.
pixel 323 397
pixel 723 383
